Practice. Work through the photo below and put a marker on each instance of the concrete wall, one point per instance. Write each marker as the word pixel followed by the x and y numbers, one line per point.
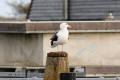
pixel 83 48
pixel 21 50
pixel 89 48
pixel 30 46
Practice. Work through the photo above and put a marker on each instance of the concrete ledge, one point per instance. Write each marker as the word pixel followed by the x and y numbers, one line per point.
pixel 12 28
pixel 52 26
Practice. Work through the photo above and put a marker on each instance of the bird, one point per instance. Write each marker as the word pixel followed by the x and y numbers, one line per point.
pixel 61 37
pixel 110 16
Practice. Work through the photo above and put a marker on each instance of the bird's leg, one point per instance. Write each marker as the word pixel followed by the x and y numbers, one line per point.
pixel 62 47
pixel 57 48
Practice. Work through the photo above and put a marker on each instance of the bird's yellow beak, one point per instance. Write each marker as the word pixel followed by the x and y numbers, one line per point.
pixel 69 26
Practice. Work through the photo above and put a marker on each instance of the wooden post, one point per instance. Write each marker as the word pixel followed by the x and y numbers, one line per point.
pixel 57 62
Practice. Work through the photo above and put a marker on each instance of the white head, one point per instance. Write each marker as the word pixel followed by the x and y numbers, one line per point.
pixel 64 26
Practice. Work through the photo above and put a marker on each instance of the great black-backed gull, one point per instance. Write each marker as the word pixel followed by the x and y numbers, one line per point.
pixel 60 37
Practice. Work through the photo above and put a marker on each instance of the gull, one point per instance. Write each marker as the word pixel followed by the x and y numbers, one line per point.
pixel 60 37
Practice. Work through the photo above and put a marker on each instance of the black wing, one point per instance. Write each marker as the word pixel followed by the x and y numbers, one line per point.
pixel 54 38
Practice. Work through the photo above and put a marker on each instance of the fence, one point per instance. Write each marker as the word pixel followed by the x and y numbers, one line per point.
pixel 76 78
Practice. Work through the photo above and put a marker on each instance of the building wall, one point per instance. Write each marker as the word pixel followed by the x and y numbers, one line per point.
pixel 83 48
pixel 21 50
pixel 89 48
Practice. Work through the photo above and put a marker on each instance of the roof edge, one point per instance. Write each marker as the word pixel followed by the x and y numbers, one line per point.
pixel 28 13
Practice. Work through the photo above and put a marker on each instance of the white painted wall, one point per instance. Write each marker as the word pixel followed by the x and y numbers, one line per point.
pixel 89 48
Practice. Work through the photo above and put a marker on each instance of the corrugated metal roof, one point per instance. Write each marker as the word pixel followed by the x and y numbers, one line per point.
pixel 78 9
pixel 93 9
pixel 46 10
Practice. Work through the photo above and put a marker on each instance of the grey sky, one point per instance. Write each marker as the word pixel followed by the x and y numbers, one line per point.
pixel 6 10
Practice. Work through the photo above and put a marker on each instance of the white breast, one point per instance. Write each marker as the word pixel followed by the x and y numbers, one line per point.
pixel 63 36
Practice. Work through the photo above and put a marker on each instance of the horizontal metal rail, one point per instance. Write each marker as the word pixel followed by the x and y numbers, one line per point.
pixel 34 78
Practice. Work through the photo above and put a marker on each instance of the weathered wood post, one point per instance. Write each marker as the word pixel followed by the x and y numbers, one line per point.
pixel 57 62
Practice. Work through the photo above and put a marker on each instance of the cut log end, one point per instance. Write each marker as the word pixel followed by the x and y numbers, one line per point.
pixel 57 54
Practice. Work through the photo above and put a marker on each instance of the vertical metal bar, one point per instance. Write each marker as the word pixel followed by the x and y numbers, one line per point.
pixel 65 9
